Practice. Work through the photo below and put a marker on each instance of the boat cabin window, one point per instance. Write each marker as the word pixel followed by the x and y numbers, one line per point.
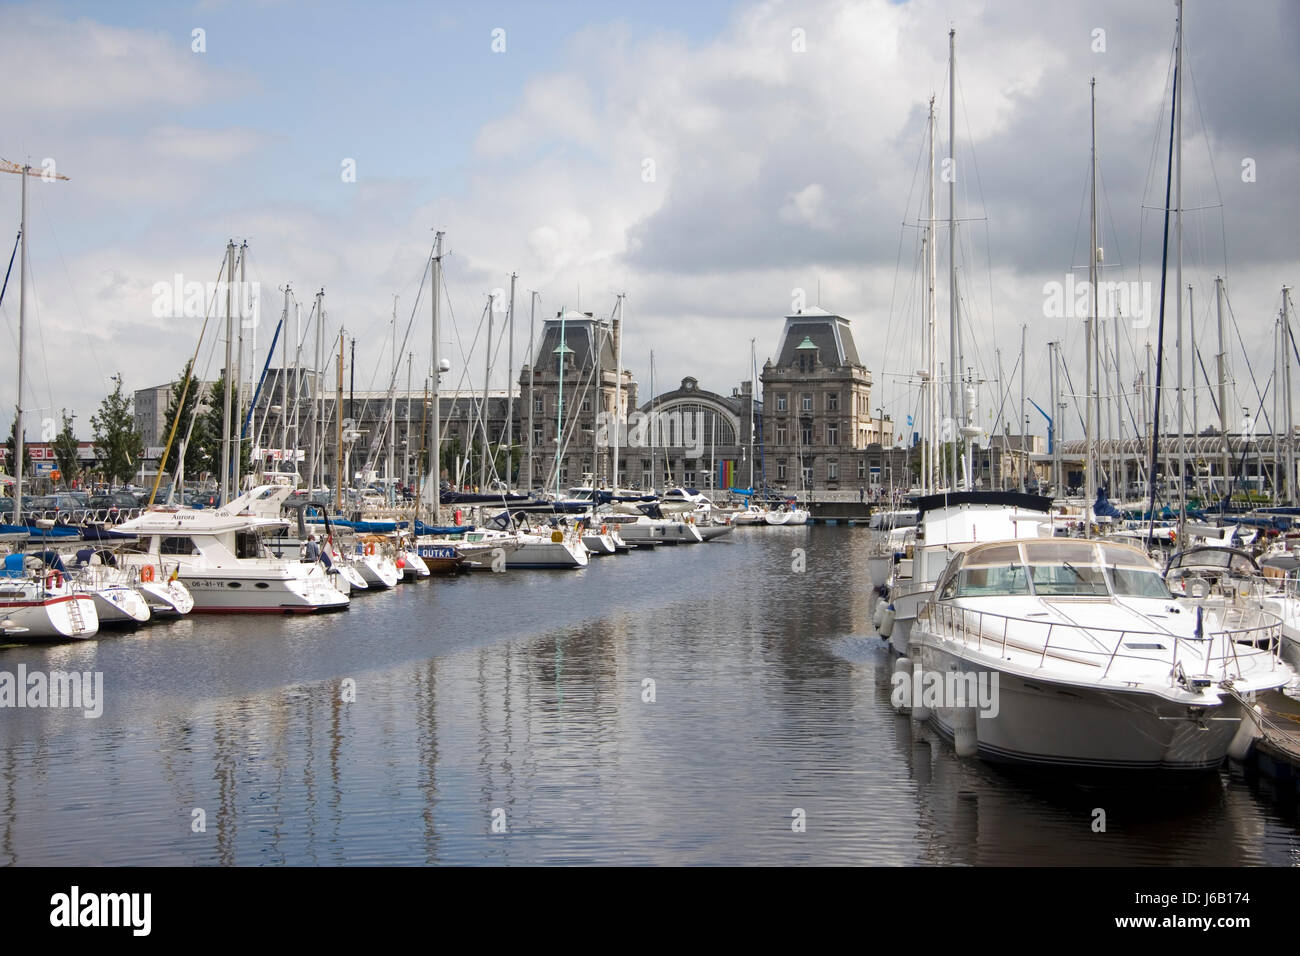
pixel 985 580
pixel 248 545
pixel 1052 579
pixel 1138 582
pixel 177 546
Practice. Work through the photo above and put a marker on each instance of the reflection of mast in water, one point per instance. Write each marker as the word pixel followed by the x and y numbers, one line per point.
pixel 336 745
pixel 8 807
pixel 309 774
pixel 225 759
pixel 426 743
pixel 171 746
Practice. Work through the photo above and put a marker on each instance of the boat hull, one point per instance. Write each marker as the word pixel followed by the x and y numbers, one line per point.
pixel 61 618
pixel 120 607
pixel 1064 725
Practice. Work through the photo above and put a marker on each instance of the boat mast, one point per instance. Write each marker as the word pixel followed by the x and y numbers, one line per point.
pixel 954 345
pixel 284 385
pixel 1191 334
pixel 654 423
pixel 618 383
pixel 1221 360
pixel 406 451
pixel 435 431
pixel 237 382
pixel 392 414
pixel 1164 264
pixel 228 371
pixel 1286 359
pixel 1090 481
pixel 559 404
pixel 753 390
pixel 931 469
pixel 532 360
pixel 1178 301
pixel 510 385
pixel 1024 422
pixel 487 378
pixel 338 434
pixel 22 325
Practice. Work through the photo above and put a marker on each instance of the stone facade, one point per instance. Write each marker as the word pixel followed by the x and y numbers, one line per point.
pixel 819 419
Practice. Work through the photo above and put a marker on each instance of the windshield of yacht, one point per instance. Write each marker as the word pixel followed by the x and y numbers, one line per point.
pixel 1066 568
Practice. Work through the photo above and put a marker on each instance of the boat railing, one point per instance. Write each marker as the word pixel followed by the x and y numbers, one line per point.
pixel 981 630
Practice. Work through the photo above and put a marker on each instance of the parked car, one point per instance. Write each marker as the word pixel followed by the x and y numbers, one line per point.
pixel 117 501
pixel 203 499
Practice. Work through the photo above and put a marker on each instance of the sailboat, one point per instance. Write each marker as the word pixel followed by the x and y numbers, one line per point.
pixel 35 603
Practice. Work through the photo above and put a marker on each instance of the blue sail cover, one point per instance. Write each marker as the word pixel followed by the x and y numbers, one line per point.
pixel 1103 508
pixel 422 528
pixel 55 532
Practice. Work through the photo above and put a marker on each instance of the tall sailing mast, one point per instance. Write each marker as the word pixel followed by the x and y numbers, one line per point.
pixel 930 482
pixel 1090 425
pixel 954 334
pixel 434 487
pixel 618 383
pixel 23 171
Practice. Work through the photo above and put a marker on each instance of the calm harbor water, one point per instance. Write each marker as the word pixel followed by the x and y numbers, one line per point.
pixel 520 698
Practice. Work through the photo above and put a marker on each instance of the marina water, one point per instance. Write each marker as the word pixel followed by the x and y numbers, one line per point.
pixel 724 703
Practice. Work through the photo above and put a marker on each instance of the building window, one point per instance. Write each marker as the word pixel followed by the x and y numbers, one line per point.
pixel 780 403
pixel 780 471
pixel 832 401
pixel 586 404
pixel 807 476
pixel 780 434
pixel 688 478
pixel 862 468
pixel 807 434
pixel 807 403
pixel 832 433
pixel 832 470
pixel 538 405
pixel 537 436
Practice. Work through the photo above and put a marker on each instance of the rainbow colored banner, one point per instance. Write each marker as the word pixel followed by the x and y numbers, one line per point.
pixel 726 473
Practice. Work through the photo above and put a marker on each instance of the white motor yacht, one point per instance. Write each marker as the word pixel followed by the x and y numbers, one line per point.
pixel 1073 653
pixel 220 557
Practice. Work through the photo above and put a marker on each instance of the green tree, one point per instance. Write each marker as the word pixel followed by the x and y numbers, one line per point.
pixel 117 444
pixel 195 451
pixel 65 451
pixel 211 422
pixel 11 443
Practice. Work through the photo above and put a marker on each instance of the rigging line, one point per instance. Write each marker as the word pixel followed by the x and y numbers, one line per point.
pixel 40 334
pixel 76 302
pixel 898 262
pixel 1214 175
pixel 1155 153
pixel 18 239
pixel 8 324
pixel 1249 368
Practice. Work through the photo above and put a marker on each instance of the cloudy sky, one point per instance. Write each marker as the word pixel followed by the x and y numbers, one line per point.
pixel 711 160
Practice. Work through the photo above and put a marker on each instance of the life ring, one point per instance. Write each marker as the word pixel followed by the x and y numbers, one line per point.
pixel 53 580
pixel 557 537
pixel 146 574
pixel 370 548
